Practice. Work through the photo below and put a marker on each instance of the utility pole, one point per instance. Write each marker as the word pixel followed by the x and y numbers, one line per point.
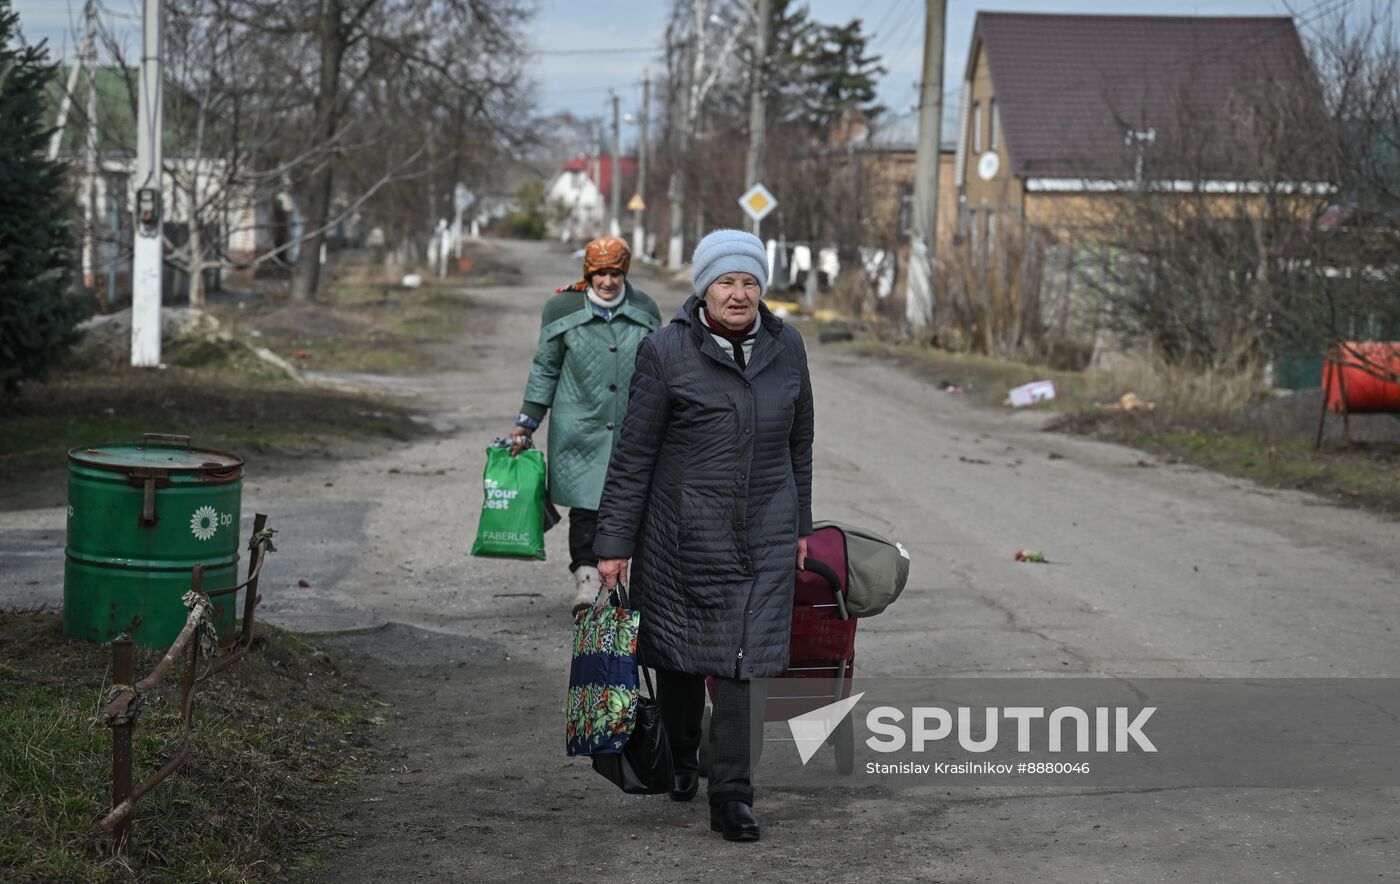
pixel 615 207
pixel 639 239
pixel 919 303
pixel 595 166
pixel 90 147
pixel 435 237
pixel 147 255
pixel 691 59
pixel 758 73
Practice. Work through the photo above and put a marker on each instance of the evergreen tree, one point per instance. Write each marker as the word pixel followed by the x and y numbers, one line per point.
pixel 817 71
pixel 838 74
pixel 38 310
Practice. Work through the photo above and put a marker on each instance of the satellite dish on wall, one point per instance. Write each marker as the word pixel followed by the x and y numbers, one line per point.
pixel 987 165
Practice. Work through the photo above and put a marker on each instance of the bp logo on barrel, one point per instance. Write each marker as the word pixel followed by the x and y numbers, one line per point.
pixel 204 523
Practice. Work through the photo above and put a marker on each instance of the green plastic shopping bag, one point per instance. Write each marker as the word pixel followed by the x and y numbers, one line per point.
pixel 513 505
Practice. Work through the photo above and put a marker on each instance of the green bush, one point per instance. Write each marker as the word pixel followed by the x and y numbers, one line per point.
pixel 527 222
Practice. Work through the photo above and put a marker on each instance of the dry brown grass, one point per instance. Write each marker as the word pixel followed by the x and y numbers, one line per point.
pixel 276 736
pixel 1180 396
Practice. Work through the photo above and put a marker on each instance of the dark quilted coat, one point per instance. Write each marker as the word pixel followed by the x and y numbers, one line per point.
pixel 708 489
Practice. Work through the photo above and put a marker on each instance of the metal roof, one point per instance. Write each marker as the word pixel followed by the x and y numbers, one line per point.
pixel 1070 88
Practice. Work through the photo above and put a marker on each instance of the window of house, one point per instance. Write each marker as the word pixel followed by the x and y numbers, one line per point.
pixel 994 124
pixel 976 128
pixel 906 209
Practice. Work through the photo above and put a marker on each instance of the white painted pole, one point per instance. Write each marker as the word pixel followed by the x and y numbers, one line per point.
pixel 920 304
pixel 148 253
pixel 442 248
pixel 615 198
pixel 639 237
pixel 90 148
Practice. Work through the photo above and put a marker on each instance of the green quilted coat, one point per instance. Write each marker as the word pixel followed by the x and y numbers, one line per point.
pixel 581 372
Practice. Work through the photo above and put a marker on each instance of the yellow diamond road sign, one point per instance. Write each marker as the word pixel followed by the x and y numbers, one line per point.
pixel 758 202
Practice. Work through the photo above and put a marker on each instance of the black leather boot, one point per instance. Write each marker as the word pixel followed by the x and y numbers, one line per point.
pixel 683 784
pixel 734 819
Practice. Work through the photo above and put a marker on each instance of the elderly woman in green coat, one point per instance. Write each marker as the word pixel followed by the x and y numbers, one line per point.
pixel 589 335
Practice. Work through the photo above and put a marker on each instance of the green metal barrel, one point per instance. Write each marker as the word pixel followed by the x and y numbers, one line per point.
pixel 139 518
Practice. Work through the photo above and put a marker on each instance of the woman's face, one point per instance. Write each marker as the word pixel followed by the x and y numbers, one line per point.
pixel 608 283
pixel 733 300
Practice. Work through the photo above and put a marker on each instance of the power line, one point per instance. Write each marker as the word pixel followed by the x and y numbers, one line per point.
pixel 883 37
pixel 616 50
pixel 584 89
pixel 860 13
pixel 910 36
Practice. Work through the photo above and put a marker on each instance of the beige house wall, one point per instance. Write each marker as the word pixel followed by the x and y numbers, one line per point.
pixel 1003 191
pixel 1065 211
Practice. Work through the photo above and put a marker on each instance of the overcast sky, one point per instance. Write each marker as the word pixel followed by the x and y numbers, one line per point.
pixel 581 82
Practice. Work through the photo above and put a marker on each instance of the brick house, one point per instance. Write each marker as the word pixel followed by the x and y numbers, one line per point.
pixel 1063 117
pixel 1062 112
pixel 885 155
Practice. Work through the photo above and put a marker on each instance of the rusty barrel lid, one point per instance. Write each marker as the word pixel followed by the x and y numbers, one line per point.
pixel 168 455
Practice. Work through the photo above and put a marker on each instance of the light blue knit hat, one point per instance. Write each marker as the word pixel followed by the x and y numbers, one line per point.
pixel 729 251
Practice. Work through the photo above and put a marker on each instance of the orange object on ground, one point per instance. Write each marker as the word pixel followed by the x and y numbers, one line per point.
pixel 1349 373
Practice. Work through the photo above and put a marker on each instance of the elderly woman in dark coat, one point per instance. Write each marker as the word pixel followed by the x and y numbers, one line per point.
pixel 709 494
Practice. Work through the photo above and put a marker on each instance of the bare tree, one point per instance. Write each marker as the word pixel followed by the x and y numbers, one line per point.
pixel 353 81
pixel 701 39
pixel 1230 245
pixel 1338 283
pixel 234 143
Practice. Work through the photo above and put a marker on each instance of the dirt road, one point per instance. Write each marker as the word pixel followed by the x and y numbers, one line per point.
pixel 1161 571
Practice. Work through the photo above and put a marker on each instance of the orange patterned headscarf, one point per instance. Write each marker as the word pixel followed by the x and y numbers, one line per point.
pixel 604 253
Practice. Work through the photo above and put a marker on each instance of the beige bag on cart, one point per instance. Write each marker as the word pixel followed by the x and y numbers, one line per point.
pixel 876 569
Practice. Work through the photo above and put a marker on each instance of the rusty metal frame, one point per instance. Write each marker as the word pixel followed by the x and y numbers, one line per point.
pixel 121 711
pixel 1336 356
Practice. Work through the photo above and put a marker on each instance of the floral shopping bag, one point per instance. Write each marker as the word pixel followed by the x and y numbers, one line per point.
pixel 602 702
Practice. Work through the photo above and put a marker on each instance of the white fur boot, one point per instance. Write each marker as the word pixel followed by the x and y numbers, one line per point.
pixel 586 585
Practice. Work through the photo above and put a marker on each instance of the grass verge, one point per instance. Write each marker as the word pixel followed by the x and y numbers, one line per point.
pixel 219 393
pixel 1366 474
pixel 359 325
pixel 219 409
pixel 275 735
pixel 1225 424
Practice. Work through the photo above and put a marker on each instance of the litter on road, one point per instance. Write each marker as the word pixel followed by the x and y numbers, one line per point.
pixel 1030 394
